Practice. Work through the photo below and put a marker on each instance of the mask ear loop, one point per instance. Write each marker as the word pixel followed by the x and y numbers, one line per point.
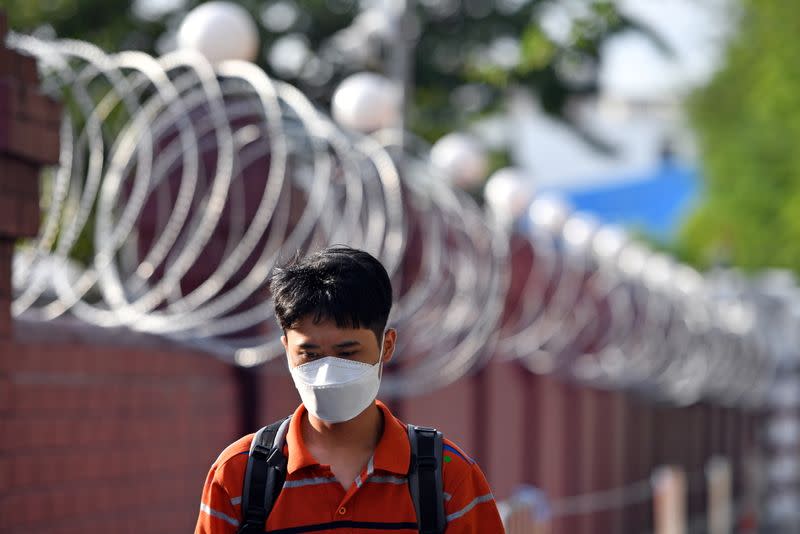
pixel 380 358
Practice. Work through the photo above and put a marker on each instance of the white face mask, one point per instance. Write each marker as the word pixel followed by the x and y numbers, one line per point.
pixel 336 390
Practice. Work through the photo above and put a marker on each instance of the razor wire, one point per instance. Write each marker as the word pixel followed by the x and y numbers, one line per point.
pixel 182 185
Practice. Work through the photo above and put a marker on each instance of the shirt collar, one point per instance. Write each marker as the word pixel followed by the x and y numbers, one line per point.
pixel 392 454
pixel 299 455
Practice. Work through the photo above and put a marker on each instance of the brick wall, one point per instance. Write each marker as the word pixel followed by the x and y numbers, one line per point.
pixel 25 124
pixel 103 437
pixel 100 431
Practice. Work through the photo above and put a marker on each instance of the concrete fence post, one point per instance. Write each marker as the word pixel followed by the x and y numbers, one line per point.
pixel 719 480
pixel 669 500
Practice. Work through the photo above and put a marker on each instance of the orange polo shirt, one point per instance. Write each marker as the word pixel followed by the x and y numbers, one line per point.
pixel 312 500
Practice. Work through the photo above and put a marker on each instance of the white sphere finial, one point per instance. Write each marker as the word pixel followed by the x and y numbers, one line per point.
pixel 366 102
pixel 549 212
pixel 461 158
pixel 508 193
pixel 578 232
pixel 220 31
pixel 608 242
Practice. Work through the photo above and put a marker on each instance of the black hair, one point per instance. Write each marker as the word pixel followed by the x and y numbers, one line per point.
pixel 339 283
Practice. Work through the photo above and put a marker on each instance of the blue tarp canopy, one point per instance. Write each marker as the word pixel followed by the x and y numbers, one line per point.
pixel 656 203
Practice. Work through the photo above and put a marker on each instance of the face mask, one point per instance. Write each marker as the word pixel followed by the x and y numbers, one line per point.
pixel 336 390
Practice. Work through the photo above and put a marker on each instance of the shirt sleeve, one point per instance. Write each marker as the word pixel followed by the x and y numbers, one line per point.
pixel 218 514
pixel 471 509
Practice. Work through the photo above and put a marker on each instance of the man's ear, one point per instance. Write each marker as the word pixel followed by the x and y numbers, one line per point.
pixel 389 342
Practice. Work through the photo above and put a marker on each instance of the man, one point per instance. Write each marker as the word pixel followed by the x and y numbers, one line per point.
pixel 348 456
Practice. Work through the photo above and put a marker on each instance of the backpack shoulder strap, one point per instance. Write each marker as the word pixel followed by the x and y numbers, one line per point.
pixel 264 476
pixel 425 478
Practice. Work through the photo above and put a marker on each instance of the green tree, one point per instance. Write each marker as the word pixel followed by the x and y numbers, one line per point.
pixel 467 53
pixel 110 24
pixel 748 125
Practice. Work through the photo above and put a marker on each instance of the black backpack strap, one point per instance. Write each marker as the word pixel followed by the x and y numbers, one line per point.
pixel 264 477
pixel 425 478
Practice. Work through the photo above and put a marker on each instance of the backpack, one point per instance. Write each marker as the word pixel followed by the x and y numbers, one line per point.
pixel 266 473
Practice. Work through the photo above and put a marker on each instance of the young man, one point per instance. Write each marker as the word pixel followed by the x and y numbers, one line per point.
pixel 348 456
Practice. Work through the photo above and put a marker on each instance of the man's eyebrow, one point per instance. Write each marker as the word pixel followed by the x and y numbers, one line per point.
pixel 343 345
pixel 346 344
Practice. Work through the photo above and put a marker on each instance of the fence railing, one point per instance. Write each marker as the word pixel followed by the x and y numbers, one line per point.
pixel 529 511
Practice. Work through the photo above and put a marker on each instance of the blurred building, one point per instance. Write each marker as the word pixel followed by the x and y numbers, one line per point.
pixel 643 172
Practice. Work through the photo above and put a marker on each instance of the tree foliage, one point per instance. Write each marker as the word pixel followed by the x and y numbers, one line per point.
pixel 466 53
pixel 748 124
pixel 110 24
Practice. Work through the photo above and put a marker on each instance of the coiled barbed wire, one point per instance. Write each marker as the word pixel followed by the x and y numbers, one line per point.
pixel 181 186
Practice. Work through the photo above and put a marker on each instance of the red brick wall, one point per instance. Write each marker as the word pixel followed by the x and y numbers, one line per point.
pixel 102 433
pixel 28 140
pixel 107 438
